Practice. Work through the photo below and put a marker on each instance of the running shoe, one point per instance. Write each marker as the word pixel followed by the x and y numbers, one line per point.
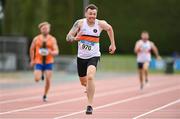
pixel 89 110
pixel 45 98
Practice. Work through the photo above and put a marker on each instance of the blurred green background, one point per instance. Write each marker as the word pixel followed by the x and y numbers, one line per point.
pixel 128 18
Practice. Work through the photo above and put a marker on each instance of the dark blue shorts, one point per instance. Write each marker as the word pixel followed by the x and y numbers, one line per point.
pixel 43 67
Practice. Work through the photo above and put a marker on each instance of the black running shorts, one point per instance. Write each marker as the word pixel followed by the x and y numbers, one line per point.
pixel 140 65
pixel 82 65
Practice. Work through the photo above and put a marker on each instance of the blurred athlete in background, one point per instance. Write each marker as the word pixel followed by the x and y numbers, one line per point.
pixel 42 51
pixel 143 50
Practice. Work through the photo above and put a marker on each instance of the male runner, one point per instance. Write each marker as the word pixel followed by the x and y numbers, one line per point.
pixel 143 49
pixel 42 51
pixel 87 31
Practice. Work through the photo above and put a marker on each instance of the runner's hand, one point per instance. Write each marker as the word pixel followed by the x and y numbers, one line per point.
pixel 77 36
pixel 112 49
pixel 158 57
pixel 32 63
pixel 52 52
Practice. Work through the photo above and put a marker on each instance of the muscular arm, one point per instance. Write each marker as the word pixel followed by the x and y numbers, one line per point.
pixel 55 48
pixel 71 36
pixel 108 28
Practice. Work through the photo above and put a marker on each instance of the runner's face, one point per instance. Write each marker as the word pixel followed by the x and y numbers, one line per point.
pixel 145 36
pixel 45 29
pixel 91 15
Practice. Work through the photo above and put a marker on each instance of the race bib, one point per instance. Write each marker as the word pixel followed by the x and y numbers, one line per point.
pixel 145 48
pixel 86 45
pixel 43 51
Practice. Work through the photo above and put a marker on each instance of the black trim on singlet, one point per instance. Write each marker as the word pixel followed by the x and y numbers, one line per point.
pixel 91 36
pixel 44 57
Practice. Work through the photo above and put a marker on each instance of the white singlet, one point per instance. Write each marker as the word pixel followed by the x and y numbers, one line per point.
pixel 88 46
pixel 145 51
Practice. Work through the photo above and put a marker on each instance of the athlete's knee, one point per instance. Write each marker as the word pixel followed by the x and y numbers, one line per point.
pixel 90 77
pixel 146 66
pixel 83 84
pixel 145 69
pixel 37 78
pixel 83 81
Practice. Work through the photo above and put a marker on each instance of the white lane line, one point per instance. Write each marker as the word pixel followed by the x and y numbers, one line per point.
pixel 6 94
pixel 41 106
pixel 38 86
pixel 34 97
pixel 51 95
pixel 67 101
pixel 159 108
pixel 122 101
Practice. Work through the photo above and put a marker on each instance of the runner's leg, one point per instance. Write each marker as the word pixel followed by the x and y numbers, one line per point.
pixel 37 75
pixel 48 75
pixel 146 67
pixel 91 70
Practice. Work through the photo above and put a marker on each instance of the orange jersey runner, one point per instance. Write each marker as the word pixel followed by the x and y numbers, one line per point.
pixel 49 45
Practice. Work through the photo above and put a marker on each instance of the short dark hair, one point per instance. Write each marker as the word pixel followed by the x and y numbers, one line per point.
pixel 92 7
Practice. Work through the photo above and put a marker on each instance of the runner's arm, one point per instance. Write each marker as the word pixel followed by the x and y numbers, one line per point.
pixel 155 50
pixel 31 52
pixel 71 36
pixel 137 47
pixel 55 48
pixel 108 28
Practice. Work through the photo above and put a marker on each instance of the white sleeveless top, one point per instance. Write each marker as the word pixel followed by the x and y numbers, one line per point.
pixel 145 54
pixel 88 46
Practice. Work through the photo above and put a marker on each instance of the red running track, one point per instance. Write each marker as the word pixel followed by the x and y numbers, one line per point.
pixel 115 98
